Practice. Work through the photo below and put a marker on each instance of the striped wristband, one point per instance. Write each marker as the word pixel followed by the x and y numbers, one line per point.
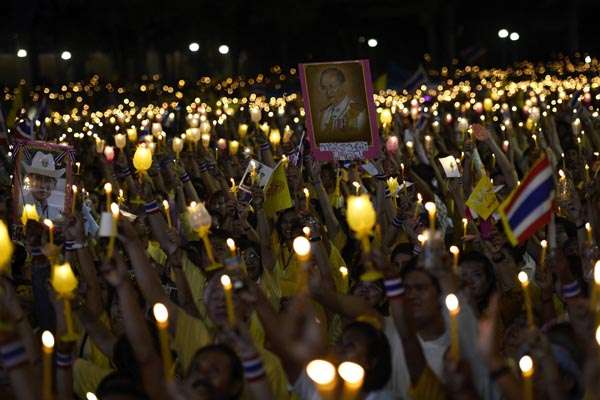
pixel 64 360
pixel 203 166
pixel 185 177
pixel 253 369
pixel 393 287
pixel 151 207
pixel 571 290
pixel 13 354
pixel 397 221
pixel 125 173
pixel 36 251
pixel 381 177
pixel 265 146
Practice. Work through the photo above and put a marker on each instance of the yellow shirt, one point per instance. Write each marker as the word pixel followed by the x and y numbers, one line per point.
pixel 190 335
pixel 87 376
pixel 427 388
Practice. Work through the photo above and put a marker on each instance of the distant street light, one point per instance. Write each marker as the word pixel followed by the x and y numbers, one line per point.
pixel 65 55
pixel 194 47
pixel 22 53
pixel 223 49
pixel 372 42
pixel 502 33
pixel 514 36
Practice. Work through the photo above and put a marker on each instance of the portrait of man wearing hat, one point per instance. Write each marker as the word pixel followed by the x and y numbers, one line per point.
pixel 42 177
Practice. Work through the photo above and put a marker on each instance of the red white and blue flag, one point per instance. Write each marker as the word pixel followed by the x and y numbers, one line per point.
pixel 529 206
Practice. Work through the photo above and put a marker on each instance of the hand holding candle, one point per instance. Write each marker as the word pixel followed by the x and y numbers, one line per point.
pixel 161 315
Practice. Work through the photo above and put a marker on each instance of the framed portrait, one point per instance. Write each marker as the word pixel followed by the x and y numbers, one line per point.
pixel 43 177
pixel 340 112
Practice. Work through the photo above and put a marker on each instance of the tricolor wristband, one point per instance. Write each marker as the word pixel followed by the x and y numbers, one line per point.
pixel 203 166
pixel 71 245
pixel 185 177
pixel 393 287
pixel 265 146
pixel 36 251
pixel 397 221
pixel 387 193
pixel 125 173
pixel 64 360
pixel 151 207
pixel 13 354
pixel 253 369
pixel 381 177
pixel 571 290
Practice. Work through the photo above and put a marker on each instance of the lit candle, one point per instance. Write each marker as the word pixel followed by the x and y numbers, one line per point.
pixel 544 244
pixel 64 282
pixel 344 273
pixel 200 221
pixel 306 231
pixel 177 146
pixel 114 209
pixel 275 137
pixel 109 153
pixel 253 172
pixel 231 247
pixel 356 187
pixel 108 193
pixel 161 315
pixel 419 204
pixel 234 146
pixel 142 158
pixel 409 147
pixel 596 287
pixel 301 247
pixel 227 288
pixel 132 134
pixel 524 279
pixel 78 165
pixel 243 129
pixel 598 335
pixel 465 223
pixel 50 226
pixel 430 207
pixel 167 213
pixel 120 141
pixel 307 198
pixel 588 229
pixel 353 375
pixel 526 367
pixel 322 373
pixel 453 309
pixel 121 197
pixel 6 246
pixel 455 254
pixel 29 212
pixel 74 200
pixel 505 146
pixel 48 349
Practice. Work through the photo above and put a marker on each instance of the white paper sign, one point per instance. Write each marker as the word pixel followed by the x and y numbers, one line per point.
pixel 450 167
pixel 263 174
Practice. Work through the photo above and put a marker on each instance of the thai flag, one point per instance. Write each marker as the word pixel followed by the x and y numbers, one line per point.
pixel 529 206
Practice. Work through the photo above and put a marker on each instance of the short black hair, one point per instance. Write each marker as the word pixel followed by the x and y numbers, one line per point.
pixel 378 373
pixel 339 75
pixel 122 384
pixel 236 374
pixel 413 266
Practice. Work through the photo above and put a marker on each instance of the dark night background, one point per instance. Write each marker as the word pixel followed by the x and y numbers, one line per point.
pixel 268 32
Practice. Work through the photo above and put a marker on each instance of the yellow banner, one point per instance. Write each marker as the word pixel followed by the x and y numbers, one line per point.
pixel 483 199
pixel 277 192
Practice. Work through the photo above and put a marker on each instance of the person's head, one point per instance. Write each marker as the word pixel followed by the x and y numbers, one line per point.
pixel 216 307
pixel 251 257
pixel 216 204
pixel 367 346
pixel 477 278
pixel 372 292
pixel 332 84
pixel 421 293
pixel 402 254
pixel 120 386
pixel 215 373
pixel 41 186
pixel 288 225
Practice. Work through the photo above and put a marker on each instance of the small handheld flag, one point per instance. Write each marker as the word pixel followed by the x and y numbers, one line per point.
pixel 529 206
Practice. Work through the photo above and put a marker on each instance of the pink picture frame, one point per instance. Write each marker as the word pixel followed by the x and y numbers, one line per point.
pixel 340 124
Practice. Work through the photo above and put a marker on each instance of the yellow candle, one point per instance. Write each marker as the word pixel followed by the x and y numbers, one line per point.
pixel 114 208
pixel 598 335
pixel 253 172
pixel 419 204
pixel 74 201
pixel 78 165
pixel 161 315
pixel 120 141
pixel 588 229
pixel 455 253
pixel 453 309
pixel 526 367
pixel 353 375
pixel 322 373
pixel 301 247
pixel 108 192
pixel 50 226
pixel 344 273
pixel 307 198
pixel 231 247
pixel 356 187
pixel 177 147
pixel 465 223
pixel 306 231
pixel 227 288
pixel 6 246
pixel 544 244
pixel 64 282
pixel 596 287
pixel 524 279
pixel 167 213
pixel 430 207
pixel 48 349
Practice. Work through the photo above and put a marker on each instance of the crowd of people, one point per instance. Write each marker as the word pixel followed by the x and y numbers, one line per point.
pixel 352 279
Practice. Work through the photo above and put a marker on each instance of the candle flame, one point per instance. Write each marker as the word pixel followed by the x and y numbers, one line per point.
pixel 321 371
pixel 526 365
pixel 301 246
pixel 48 339
pixel 226 282
pixel 351 373
pixel 161 314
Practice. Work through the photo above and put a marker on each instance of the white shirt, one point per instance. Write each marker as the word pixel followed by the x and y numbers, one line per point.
pixel 335 116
